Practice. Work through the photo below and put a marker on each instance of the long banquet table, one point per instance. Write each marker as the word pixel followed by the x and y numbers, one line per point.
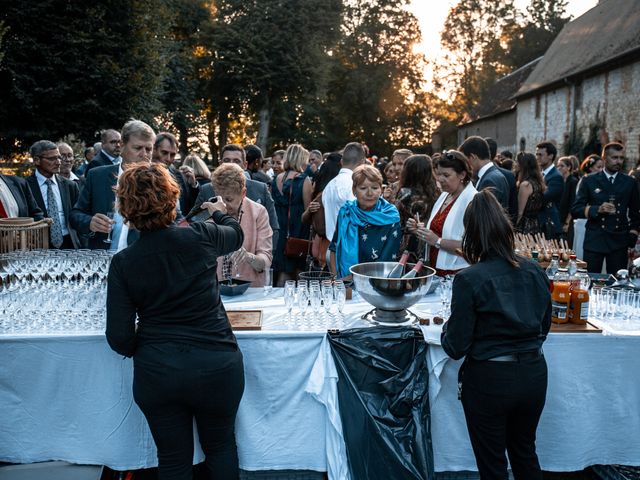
pixel 68 397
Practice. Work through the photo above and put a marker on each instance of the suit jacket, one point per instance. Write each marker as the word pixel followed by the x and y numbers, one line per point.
pixel 256 191
pixel 27 206
pixel 97 196
pixel 496 181
pixel 513 193
pixel 188 194
pixel 100 160
pixel 606 233
pixel 69 193
pixel 550 214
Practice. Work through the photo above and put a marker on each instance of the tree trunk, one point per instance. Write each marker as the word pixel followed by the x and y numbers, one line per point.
pixel 223 125
pixel 264 120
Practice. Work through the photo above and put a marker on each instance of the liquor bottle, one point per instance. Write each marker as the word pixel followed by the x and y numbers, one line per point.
pixel 560 296
pixel 398 269
pixel 414 271
pixel 579 305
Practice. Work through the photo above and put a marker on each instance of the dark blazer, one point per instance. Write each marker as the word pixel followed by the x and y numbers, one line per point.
pixel 568 197
pixel 97 196
pixel 100 160
pixel 256 191
pixel 552 197
pixel 27 206
pixel 69 193
pixel 606 233
pixel 496 181
pixel 188 194
pixel 513 193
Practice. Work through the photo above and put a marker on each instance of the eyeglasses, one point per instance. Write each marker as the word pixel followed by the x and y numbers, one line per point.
pixel 66 156
pixel 51 159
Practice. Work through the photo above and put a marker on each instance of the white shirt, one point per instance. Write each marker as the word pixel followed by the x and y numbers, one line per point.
pixel 610 176
pixel 547 170
pixel 484 169
pixel 56 194
pixel 337 192
pixel 7 199
pixel 114 160
pixel 124 231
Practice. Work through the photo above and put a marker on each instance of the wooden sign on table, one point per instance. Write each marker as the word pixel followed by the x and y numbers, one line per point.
pixel 245 319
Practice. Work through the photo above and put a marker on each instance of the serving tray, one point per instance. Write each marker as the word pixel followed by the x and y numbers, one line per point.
pixel 572 327
pixel 245 319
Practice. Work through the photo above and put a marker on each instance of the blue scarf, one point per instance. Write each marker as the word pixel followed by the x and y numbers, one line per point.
pixel 350 219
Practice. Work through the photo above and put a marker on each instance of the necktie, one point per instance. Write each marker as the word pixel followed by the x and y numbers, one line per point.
pixel 611 179
pixel 52 210
pixel 3 212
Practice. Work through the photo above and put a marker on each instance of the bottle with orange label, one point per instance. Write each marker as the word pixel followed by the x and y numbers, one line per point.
pixel 579 305
pixel 560 297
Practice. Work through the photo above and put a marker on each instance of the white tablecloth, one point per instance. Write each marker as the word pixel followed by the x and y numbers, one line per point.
pixel 69 398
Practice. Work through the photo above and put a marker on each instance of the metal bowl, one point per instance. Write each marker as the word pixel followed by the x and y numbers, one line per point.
pixel 390 294
pixel 237 287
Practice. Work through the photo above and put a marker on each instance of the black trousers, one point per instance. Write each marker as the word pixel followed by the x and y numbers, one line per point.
pixel 502 404
pixel 615 260
pixel 175 383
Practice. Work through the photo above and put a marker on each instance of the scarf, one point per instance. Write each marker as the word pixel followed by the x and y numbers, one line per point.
pixel 350 219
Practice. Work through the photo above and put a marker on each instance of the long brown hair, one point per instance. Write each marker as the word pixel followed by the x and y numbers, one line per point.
pixel 529 170
pixel 487 230
pixel 417 173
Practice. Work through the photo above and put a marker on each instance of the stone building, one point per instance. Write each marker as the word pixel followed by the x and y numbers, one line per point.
pixel 495 116
pixel 585 90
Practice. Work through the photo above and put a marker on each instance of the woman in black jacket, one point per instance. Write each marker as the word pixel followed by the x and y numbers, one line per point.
pixel 164 310
pixel 500 331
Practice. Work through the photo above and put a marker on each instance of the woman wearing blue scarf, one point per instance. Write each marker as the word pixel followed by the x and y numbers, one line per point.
pixel 368 228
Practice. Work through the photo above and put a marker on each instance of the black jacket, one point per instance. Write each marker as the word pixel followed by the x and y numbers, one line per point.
pixel 27 206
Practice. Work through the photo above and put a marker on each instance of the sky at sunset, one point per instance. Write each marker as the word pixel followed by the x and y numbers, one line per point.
pixel 432 13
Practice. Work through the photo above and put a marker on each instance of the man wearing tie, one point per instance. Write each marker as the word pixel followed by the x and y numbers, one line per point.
pixel 549 216
pixel 54 194
pixel 97 199
pixel 610 202
pixel 109 153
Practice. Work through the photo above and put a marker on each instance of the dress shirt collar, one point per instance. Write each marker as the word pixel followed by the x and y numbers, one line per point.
pixel 547 170
pixel 610 175
pixel 484 169
pixel 42 179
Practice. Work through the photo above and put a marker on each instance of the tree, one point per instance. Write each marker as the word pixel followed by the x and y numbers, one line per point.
pixel 72 67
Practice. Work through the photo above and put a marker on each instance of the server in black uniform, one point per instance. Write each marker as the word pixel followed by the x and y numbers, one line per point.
pixel 500 316
pixel 186 360
pixel 610 202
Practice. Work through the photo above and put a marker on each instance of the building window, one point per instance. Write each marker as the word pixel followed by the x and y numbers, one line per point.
pixel 538 106
pixel 523 144
pixel 577 96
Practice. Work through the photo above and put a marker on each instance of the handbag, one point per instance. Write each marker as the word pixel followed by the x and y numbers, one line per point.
pixel 295 247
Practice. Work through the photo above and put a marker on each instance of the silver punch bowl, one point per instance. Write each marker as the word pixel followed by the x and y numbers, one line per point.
pixel 390 296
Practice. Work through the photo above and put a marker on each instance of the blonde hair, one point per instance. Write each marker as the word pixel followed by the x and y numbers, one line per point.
pixel 200 168
pixel 228 178
pixel 366 172
pixel 296 158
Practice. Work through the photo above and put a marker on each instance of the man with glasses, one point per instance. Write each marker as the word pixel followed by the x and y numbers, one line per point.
pixel 109 152
pixel 610 202
pixel 54 194
pixel 67 159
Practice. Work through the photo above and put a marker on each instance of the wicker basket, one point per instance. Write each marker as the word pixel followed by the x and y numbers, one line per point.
pixel 23 234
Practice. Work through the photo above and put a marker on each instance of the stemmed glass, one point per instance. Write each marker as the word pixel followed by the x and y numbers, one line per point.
pixel 340 297
pixel 445 294
pixel 289 297
pixel 109 214
pixel 303 298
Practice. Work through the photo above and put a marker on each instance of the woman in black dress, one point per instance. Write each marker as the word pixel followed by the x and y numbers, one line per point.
pixel 500 331
pixel 531 188
pixel 164 310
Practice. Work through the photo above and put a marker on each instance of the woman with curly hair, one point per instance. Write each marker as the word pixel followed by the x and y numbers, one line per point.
pixel 417 193
pixel 164 310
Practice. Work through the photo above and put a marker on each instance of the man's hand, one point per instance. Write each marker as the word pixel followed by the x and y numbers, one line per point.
pixel 101 223
pixel 188 175
pixel 607 208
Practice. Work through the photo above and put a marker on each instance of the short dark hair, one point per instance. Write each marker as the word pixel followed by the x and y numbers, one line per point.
pixel 493 146
pixel 41 146
pixel 487 229
pixel 252 153
pixel 162 136
pixel 456 160
pixel 353 155
pixel 507 153
pixel 617 146
pixel 233 147
pixel 476 146
pixel 550 148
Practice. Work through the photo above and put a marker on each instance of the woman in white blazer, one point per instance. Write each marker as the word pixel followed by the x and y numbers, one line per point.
pixel 443 232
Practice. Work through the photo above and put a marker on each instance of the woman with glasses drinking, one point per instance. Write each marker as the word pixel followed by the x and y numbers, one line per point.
pixel 444 229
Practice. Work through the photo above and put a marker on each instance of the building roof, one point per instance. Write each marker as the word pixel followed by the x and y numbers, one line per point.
pixel 608 32
pixel 500 97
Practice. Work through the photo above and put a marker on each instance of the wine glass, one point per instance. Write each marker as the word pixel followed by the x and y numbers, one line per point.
pixel 110 215
pixel 289 297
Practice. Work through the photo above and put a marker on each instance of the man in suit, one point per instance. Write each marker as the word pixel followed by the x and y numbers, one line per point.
pixel 549 217
pixel 109 152
pixel 67 159
pixel 610 202
pixel 165 149
pixel 16 199
pixel 477 151
pixel 256 191
pixel 97 198
pixel 254 157
pixel 511 180
pixel 54 194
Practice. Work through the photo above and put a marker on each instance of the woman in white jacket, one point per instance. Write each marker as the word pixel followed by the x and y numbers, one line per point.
pixel 443 232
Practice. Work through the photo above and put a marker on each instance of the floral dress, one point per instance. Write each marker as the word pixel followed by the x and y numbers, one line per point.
pixel 528 223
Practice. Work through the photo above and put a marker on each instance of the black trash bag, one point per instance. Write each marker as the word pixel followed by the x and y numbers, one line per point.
pixel 383 389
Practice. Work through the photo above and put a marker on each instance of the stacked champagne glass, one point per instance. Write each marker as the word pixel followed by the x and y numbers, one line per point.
pixel 53 292
pixel 314 304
